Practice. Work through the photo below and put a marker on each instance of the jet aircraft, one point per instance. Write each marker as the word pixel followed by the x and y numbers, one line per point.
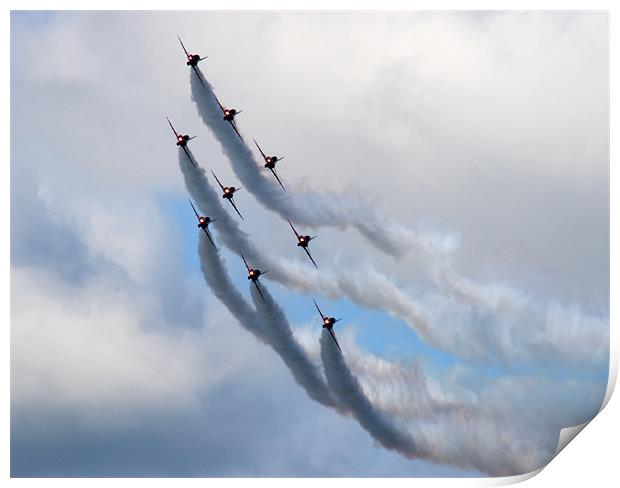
pixel 203 223
pixel 193 60
pixel 270 163
pixel 253 275
pixel 228 192
pixel 229 115
pixel 328 323
pixel 303 241
pixel 182 140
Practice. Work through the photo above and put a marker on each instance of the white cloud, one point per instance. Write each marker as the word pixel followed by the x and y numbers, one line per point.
pixel 85 346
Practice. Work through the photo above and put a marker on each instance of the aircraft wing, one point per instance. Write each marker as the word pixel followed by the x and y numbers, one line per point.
pixel 261 151
pixel 308 253
pixel 234 126
pixel 276 175
pixel 195 68
pixel 176 134
pixel 209 236
pixel 189 156
pixel 334 337
pixel 319 310
pixel 245 262
pixel 218 181
pixel 260 292
pixel 186 53
pixel 194 208
pixel 289 223
pixel 218 102
pixel 235 207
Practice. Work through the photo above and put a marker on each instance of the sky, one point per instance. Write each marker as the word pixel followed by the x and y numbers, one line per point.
pixel 491 129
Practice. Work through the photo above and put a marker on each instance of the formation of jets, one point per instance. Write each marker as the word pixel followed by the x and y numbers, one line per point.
pixel 229 114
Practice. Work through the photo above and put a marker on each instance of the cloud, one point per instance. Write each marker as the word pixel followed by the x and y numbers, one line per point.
pixel 85 346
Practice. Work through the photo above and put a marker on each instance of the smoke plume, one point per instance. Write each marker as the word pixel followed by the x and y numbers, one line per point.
pixel 482 323
pixel 280 337
pixel 404 408
pixel 350 394
pixel 326 209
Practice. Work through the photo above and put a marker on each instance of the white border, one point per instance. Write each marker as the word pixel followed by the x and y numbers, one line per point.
pixel 591 459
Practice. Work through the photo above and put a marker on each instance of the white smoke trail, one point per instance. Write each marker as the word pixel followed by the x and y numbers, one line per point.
pixel 395 239
pixel 280 337
pixel 469 430
pixel 485 430
pixel 481 326
pixel 326 209
pixel 503 427
pixel 269 324
pixel 496 323
pixel 218 280
pixel 349 392
pixel 369 289
pixel 490 431
pixel 210 203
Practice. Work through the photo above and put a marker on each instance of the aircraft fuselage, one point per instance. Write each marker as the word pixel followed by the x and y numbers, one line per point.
pixel 229 114
pixel 270 162
pixel 303 241
pixel 193 60
pixel 254 274
pixel 203 222
pixel 329 322
pixel 182 140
